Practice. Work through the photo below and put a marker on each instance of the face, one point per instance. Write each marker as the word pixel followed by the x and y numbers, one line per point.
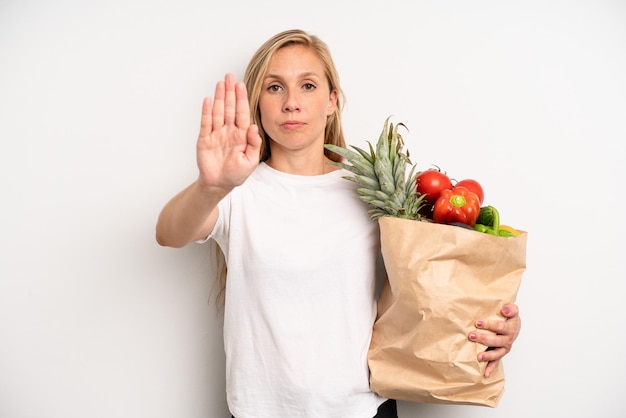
pixel 295 101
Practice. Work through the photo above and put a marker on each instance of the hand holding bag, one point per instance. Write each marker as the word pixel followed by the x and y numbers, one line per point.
pixel 441 278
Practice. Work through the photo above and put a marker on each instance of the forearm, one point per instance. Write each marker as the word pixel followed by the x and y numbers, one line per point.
pixel 227 152
pixel 189 216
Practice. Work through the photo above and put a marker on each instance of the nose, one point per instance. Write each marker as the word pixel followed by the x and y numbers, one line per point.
pixel 291 102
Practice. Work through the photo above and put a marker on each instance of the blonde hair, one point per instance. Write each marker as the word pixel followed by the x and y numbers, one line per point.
pixel 257 67
pixel 253 78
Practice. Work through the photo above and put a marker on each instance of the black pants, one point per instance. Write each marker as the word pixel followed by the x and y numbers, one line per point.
pixel 388 409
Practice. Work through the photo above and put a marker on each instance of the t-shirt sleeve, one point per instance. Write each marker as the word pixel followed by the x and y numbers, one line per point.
pixel 219 230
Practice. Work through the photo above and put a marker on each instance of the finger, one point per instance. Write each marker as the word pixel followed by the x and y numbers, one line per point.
pixel 495 325
pixel 230 100
pixel 498 345
pixel 218 106
pixel 243 106
pixel 510 310
pixel 509 328
pixel 253 150
pixel 492 354
pixel 206 123
pixel 491 366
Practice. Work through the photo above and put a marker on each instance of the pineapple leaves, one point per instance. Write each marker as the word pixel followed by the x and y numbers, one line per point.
pixel 381 174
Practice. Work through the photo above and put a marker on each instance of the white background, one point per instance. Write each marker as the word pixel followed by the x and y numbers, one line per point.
pixel 99 112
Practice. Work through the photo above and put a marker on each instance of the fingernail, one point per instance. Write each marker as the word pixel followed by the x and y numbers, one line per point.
pixel 479 324
pixel 472 336
pixel 506 310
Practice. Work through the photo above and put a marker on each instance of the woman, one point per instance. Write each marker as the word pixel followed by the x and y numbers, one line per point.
pixel 302 254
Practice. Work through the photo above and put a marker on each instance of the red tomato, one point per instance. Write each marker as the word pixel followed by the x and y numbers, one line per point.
pixel 474 187
pixel 431 183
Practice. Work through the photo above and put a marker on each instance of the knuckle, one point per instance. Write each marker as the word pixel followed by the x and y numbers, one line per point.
pixel 499 327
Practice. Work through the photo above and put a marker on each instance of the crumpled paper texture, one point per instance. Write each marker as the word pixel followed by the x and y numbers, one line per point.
pixel 440 280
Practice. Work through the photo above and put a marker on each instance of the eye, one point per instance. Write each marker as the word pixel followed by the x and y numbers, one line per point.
pixel 273 88
pixel 309 86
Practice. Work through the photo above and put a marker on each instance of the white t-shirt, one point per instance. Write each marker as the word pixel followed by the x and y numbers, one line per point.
pixel 303 258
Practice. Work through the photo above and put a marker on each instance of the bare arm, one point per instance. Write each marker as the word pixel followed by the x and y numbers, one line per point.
pixel 227 152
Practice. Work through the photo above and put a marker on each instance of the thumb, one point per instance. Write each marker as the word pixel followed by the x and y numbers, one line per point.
pixel 254 143
pixel 510 310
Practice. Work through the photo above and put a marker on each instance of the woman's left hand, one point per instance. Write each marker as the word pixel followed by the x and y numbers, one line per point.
pixel 500 341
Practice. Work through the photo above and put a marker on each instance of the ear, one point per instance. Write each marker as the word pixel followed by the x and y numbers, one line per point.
pixel 332 103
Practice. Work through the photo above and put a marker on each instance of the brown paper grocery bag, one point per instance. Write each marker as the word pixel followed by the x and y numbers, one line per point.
pixel 441 279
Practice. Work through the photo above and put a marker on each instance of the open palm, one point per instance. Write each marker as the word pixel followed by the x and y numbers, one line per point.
pixel 228 146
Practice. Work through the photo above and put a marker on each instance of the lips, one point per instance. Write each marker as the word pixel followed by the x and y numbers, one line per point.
pixel 291 124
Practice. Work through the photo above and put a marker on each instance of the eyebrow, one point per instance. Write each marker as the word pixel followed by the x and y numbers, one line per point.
pixel 308 74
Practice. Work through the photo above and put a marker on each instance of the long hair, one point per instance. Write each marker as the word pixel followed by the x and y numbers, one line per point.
pixel 257 68
pixel 253 78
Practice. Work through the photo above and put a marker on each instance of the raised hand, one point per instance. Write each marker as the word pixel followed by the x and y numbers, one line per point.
pixel 227 152
pixel 228 145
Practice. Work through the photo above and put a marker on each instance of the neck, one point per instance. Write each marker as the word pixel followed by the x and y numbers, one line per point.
pixel 301 166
